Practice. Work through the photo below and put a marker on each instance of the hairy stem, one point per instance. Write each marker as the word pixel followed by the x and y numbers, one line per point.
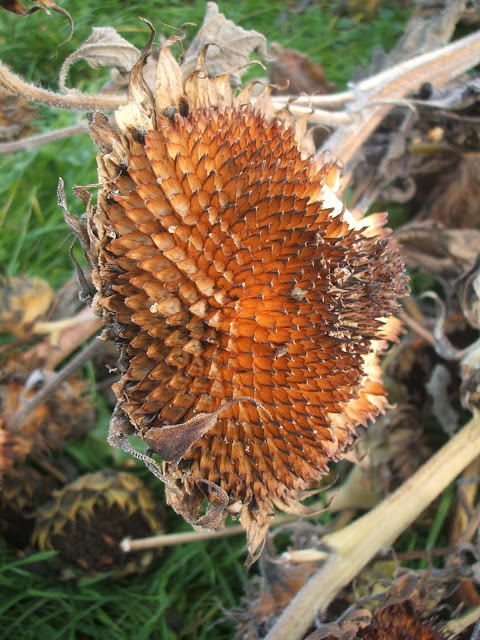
pixel 72 102
pixel 332 100
pixel 318 116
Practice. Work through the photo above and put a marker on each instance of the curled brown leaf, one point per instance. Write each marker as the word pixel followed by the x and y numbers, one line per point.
pixel 104 48
pixel 294 73
pixel 234 45
pixel 441 252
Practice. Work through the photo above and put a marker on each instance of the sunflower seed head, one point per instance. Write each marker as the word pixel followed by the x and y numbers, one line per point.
pixel 225 268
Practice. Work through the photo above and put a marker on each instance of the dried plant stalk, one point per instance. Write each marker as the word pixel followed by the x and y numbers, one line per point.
pixel 184 537
pixel 355 545
pixel 40 397
pixel 442 65
pixel 33 142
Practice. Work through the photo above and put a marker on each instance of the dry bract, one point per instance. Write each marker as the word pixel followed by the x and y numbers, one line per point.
pixel 248 305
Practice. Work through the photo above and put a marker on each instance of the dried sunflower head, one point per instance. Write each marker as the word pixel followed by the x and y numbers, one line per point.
pixel 413 606
pixel 249 306
pixel 27 475
pixel 23 489
pixel 67 412
pixel 400 621
pixel 7 450
pixel 86 520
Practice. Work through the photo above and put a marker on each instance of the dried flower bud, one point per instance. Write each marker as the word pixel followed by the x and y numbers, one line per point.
pixel 237 286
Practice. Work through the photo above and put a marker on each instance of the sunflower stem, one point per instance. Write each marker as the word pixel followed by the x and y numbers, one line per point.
pixel 439 66
pixel 87 353
pixel 171 539
pixel 33 142
pixel 355 545
pixel 73 102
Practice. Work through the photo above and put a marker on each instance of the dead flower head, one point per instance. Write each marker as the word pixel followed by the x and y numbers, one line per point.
pixel 248 304
pixel 414 605
pixel 86 520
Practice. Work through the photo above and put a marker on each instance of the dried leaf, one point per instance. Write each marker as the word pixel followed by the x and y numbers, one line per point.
pixel 454 199
pixel 214 518
pixel 234 45
pixel 15 6
pixel 346 629
pixel 442 408
pixel 77 226
pixel 430 26
pixel 172 442
pixel 429 153
pixel 15 115
pixel 441 252
pixel 294 73
pixel 104 48
pixel 279 578
pixel 468 288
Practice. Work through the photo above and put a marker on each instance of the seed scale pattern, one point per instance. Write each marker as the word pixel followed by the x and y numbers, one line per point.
pixel 400 622
pixel 236 286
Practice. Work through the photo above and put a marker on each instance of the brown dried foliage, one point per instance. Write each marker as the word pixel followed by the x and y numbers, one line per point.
pixel 294 73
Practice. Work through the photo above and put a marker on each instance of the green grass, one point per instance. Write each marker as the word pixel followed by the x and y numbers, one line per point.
pixel 190 586
pixel 174 602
